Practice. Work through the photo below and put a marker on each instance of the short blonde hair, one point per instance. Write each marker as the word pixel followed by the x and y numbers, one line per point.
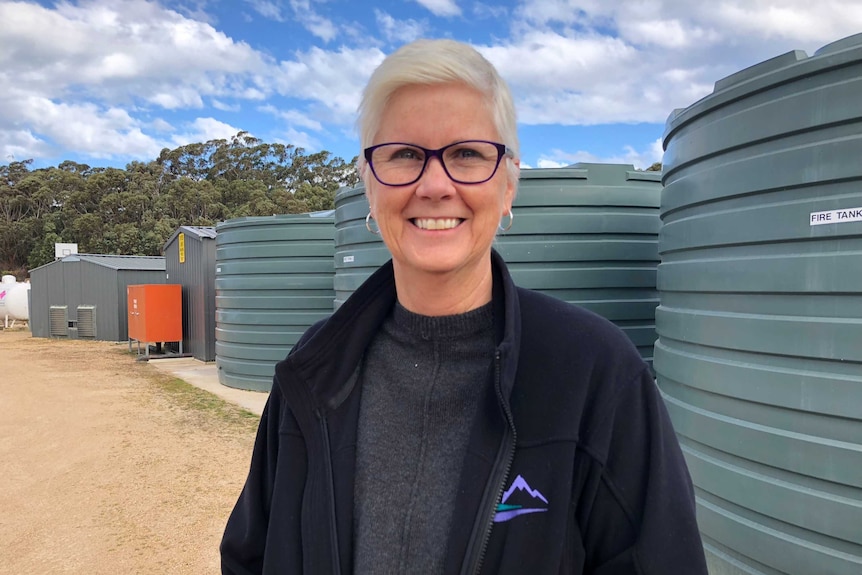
pixel 431 62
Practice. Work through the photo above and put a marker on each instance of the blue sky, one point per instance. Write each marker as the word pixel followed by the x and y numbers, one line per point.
pixel 105 82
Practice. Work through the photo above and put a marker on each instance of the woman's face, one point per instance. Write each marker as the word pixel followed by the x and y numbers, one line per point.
pixel 435 225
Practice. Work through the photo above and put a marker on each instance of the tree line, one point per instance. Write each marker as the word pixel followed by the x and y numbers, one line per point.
pixel 133 211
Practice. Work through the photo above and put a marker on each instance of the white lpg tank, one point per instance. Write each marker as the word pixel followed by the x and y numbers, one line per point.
pixel 17 302
pixel 5 287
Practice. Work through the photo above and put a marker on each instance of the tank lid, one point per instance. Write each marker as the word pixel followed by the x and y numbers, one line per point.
pixel 347 192
pixel 854 41
pixel 770 73
pixel 322 214
pixel 643 176
pixel 273 220
pixel 674 113
pixel 607 174
pixel 765 67
pixel 568 172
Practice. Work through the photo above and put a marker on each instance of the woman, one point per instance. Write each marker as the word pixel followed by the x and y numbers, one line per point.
pixel 444 420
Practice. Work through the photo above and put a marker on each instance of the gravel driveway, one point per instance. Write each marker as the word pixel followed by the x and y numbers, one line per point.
pixel 110 466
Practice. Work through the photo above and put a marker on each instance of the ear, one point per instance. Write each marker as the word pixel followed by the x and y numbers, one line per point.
pixel 368 183
pixel 369 196
pixel 511 185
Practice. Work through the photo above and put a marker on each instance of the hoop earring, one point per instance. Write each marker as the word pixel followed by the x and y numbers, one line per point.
pixel 509 226
pixel 368 225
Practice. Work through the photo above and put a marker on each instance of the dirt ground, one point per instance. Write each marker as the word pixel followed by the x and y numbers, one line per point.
pixel 108 466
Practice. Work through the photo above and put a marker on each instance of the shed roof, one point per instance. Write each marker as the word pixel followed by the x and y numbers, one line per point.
pixel 144 263
pixel 203 232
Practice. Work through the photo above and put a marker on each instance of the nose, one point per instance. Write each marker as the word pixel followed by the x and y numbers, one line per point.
pixel 435 182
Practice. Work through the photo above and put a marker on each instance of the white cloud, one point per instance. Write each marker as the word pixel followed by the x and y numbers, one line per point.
pixel 800 20
pixel 161 125
pixel 543 59
pixel 90 75
pixel 544 163
pixel 579 80
pixel 75 76
pixel 398 31
pixel 680 22
pixel 333 80
pixel 441 7
pixel 118 52
pixel 251 93
pixel 321 27
pixel 203 130
pixel 224 107
pixel 183 97
pixel 299 140
pixel 293 117
pixel 20 145
pixel 640 159
pixel 583 62
pixel 85 127
pixel 269 10
pixel 671 34
pixel 592 62
pixel 194 10
pixel 566 12
pixel 655 153
pixel 482 10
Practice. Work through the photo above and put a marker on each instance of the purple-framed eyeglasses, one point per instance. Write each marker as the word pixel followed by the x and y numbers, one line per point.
pixel 465 162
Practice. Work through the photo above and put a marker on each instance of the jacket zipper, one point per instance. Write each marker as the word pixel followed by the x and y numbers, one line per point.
pixel 333 531
pixel 510 455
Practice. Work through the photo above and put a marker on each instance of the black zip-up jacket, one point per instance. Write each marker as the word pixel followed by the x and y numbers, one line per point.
pixel 572 466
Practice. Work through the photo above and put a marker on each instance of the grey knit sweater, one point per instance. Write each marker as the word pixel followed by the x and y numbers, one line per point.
pixel 421 383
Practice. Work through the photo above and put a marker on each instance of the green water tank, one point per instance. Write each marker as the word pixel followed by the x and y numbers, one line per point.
pixel 759 354
pixel 273 280
pixel 587 234
pixel 358 252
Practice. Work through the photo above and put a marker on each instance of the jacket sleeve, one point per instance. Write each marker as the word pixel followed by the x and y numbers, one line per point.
pixel 643 517
pixel 244 540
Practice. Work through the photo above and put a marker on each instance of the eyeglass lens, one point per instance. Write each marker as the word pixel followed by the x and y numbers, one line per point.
pixel 465 162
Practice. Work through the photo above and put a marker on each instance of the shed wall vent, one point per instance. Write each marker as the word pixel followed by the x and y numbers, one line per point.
pixel 87 321
pixel 59 321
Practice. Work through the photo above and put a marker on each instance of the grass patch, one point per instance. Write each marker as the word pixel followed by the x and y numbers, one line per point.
pixel 215 410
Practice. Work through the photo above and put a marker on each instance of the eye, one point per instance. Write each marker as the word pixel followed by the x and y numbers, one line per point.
pixel 403 153
pixel 469 152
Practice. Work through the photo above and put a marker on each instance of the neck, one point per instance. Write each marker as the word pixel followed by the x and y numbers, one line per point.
pixel 444 294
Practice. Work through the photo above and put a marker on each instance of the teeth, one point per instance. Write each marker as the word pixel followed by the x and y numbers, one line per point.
pixel 441 224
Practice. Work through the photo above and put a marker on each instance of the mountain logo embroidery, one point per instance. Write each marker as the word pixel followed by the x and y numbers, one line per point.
pixel 528 498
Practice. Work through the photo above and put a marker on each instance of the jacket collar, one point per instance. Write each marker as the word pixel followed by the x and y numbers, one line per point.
pixel 328 361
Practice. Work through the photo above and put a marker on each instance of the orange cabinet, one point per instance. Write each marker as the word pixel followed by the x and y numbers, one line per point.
pixel 155 312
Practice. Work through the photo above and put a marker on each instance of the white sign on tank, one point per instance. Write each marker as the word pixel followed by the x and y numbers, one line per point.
pixel 836 217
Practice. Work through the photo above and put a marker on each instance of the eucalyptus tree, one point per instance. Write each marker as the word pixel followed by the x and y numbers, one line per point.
pixel 135 210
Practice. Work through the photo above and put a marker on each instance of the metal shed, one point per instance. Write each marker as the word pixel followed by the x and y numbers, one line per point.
pixel 84 295
pixel 190 260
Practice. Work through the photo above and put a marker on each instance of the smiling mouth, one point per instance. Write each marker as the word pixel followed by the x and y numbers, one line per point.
pixel 436 224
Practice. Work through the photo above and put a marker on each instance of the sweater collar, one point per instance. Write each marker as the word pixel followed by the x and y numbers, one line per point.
pixel 328 361
pixel 418 327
